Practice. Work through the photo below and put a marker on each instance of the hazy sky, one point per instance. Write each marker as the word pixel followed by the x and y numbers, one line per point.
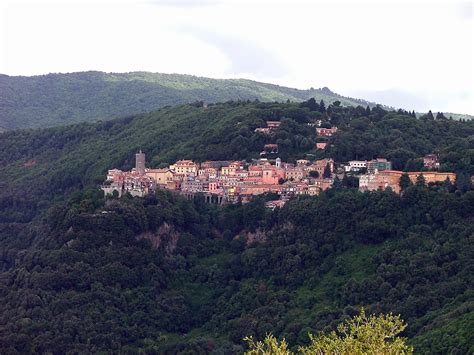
pixel 405 54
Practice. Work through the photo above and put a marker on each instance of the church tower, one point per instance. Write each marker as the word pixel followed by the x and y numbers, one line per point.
pixel 140 163
pixel 278 162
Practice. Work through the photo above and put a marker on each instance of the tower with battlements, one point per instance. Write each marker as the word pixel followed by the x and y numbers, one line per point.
pixel 140 163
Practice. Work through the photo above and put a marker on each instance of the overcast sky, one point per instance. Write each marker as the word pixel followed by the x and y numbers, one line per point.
pixel 411 55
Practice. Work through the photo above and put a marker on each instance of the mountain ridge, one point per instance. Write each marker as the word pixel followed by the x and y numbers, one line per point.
pixel 57 99
pixel 64 98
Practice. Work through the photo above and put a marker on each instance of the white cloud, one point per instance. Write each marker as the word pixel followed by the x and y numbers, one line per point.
pixel 420 55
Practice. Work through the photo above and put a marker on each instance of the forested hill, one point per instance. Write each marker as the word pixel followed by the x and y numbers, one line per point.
pixel 84 274
pixel 60 99
pixel 37 163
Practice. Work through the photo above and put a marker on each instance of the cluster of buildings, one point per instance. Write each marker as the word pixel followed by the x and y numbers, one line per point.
pixel 321 145
pixel 234 181
pixel 326 132
pixel 229 181
pixel 378 173
pixel 271 125
pixel 323 132
pixel 371 166
pixel 431 161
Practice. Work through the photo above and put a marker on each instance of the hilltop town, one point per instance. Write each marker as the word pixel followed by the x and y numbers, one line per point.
pixel 238 181
pixel 227 181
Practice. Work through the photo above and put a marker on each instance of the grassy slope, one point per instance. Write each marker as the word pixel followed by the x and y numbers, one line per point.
pixel 58 99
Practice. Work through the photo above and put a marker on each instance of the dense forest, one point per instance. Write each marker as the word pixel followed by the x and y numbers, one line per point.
pixel 165 275
pixel 61 99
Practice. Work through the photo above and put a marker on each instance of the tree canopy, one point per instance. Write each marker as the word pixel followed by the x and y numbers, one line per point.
pixel 361 334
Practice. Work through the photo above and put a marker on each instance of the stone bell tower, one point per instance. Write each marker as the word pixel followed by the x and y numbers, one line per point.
pixel 278 162
pixel 140 163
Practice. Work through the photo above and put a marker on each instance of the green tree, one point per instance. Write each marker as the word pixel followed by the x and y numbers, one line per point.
pixel 350 181
pixel 404 181
pixel 440 116
pixel 360 335
pixel 463 182
pixel 428 116
pixel 420 180
pixel 270 345
pixel 327 171
pixel 322 107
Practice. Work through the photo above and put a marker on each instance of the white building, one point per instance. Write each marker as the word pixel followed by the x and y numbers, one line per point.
pixel 356 165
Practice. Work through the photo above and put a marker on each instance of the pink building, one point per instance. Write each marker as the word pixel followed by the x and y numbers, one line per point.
pixel 431 161
pixel 264 130
pixel 273 124
pixel 213 186
pixel 295 174
pixel 326 132
pixel 255 170
pixel 270 175
pixel 271 148
pixel 323 184
pixel 320 165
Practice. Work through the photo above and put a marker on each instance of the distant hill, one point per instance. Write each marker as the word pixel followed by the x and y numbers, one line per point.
pixel 59 99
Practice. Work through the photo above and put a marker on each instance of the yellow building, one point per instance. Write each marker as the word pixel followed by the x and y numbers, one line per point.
pixel 228 170
pixel 185 167
pixel 161 176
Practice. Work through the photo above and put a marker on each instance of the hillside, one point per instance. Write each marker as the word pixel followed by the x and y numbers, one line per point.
pixel 38 163
pixel 166 275
pixel 59 99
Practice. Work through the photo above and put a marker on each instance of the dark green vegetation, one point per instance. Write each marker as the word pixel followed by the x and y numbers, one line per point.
pixel 60 99
pixel 93 282
pixel 167 275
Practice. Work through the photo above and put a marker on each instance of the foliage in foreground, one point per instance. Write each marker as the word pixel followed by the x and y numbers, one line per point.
pixel 360 335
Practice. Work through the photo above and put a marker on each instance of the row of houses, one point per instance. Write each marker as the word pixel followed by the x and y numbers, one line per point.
pixel 371 166
pixel 235 180
pixel 430 161
pixel 239 181
pixel 273 125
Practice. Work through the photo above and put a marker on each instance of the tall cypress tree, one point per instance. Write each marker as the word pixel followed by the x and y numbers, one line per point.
pixel 404 182
pixel 327 171
pixel 322 107
pixel 420 180
pixel 440 116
